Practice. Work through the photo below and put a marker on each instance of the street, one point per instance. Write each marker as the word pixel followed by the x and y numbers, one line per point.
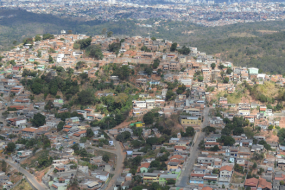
pixel 188 166
pixel 30 177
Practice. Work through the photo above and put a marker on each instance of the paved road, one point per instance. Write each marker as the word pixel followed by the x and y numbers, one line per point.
pixel 188 165
pixel 30 177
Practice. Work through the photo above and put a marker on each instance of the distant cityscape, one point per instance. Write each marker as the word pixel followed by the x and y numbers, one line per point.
pixel 201 12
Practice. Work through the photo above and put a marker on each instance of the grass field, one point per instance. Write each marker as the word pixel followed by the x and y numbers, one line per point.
pixel 24 185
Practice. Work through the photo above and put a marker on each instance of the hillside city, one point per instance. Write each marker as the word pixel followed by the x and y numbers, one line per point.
pixel 99 112
pixel 205 13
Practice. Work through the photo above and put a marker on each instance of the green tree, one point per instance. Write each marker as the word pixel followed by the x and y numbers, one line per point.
pixel 49 105
pixel 11 147
pixel 36 88
pixel 38 38
pixel 184 50
pixel 109 34
pixel 148 118
pixel 170 95
pixel 89 133
pixel 50 59
pixel 60 125
pixel 226 80
pixel 173 47
pixel 153 38
pixel 148 70
pixel 156 63
pixel 106 158
pixel 215 148
pixel 213 65
pixel 254 165
pixel 94 51
pixel 200 78
pixel 48 36
pixel 38 120
pixel 85 97
pixel 227 140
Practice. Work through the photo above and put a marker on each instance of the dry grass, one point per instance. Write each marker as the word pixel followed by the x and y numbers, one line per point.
pixel 24 185
pixel 233 98
pixel 242 34
pixel 267 31
pixel 268 89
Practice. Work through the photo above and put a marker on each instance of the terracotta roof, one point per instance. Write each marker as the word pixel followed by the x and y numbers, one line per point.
pixel 53 185
pixel 65 130
pixel 180 147
pixel 252 182
pixel 67 126
pixel 264 184
pixel 29 129
pixel 228 168
pixel 197 175
pixel 82 132
pixel 207 188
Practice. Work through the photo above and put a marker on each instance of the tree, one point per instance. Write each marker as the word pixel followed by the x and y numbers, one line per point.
pixel 4 166
pixel 156 63
pixel 171 181
pixel 173 47
pixel 60 125
pixel 123 72
pixel 148 118
pixel 226 80
pixel 36 88
pixel 215 148
pixel 49 105
pixel 94 51
pixel 238 131
pixel 48 36
pixel 153 38
pixel 109 34
pixel 181 89
pixel 213 65
pixel 229 71
pixel 69 31
pixel 189 132
pixel 200 78
pixel 38 120
pixel 83 140
pixel 11 147
pixel 170 95
pixel 38 38
pixel 114 47
pixel 184 50
pixel 80 64
pixel 106 158
pixel 270 127
pixel 83 153
pixel 85 97
pixel 254 165
pixel 50 59
pixel 148 70
pixel 154 164
pixel 89 133
pixel 227 140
